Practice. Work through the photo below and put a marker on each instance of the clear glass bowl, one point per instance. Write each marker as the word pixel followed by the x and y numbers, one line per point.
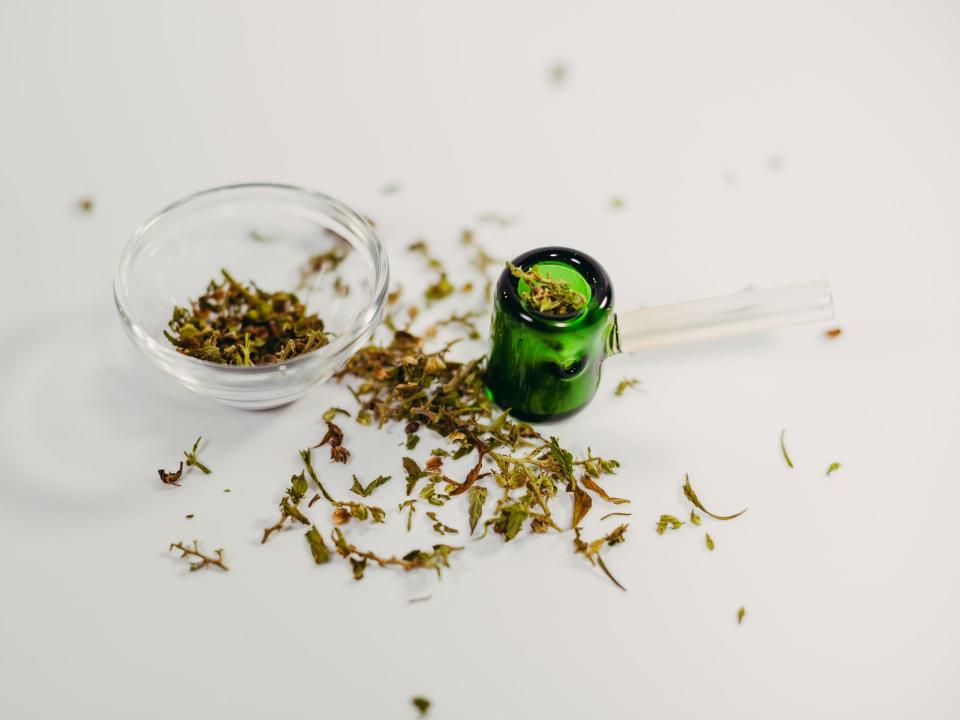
pixel 258 232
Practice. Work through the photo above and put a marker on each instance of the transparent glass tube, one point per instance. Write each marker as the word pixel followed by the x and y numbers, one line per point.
pixel 737 314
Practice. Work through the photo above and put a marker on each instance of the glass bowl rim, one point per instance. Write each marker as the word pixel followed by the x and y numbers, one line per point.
pixel 366 321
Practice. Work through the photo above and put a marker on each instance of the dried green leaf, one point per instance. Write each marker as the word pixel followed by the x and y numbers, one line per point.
pixel 783 448
pixel 740 614
pixel 318 548
pixel 563 458
pixel 298 488
pixel 692 497
pixel 308 464
pixel 709 541
pixel 694 518
pixel 581 505
pixel 471 476
pixel 833 467
pixel 414 473
pixel 590 484
pixel 475 499
pixel 668 521
pixel 616 514
pixel 367 491
pixel 332 412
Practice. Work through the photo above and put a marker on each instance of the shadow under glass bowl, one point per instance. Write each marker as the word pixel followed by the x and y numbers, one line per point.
pixel 264 233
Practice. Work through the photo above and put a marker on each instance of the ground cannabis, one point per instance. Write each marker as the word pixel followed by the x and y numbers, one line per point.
pixel 202 560
pixel 783 448
pixel 547 295
pixel 833 466
pixel 233 324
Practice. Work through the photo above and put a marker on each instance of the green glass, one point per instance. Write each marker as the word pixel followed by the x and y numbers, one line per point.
pixel 546 367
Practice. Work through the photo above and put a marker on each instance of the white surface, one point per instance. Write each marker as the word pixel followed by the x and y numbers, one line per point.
pixel 851 583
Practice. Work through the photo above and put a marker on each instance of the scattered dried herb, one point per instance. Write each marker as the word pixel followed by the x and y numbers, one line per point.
pixel 616 514
pixel 668 521
pixel 233 324
pixel 783 449
pixel 435 559
pixel 190 516
pixel 625 385
pixel 308 464
pixel 367 490
pixel 290 506
pixel 421 704
pixel 411 509
pixel 833 466
pixel 551 296
pixel 833 332
pixel 202 560
pixel 334 436
pixel 332 412
pixel 194 461
pixel 694 518
pixel 259 237
pixel 439 527
pixel 591 550
pixel 617 203
pixel 318 548
pixel 740 614
pixel 709 541
pixel 173 478
pixel 85 205
pixel 692 497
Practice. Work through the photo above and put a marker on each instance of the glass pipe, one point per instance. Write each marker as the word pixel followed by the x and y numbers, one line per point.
pixel 545 367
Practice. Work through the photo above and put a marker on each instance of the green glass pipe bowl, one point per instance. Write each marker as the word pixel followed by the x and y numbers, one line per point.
pixel 542 366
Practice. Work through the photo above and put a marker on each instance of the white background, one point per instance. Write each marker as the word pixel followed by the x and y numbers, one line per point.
pixel 754 143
